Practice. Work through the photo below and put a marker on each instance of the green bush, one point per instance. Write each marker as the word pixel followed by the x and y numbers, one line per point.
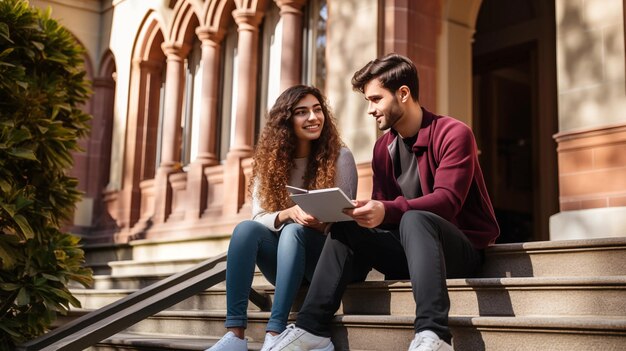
pixel 42 87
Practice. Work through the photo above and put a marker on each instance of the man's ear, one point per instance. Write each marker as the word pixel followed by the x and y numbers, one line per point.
pixel 404 93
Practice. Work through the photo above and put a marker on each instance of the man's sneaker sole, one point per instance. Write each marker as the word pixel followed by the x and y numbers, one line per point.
pixel 330 347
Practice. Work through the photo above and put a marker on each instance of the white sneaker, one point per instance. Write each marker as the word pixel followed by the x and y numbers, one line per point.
pixel 270 341
pixel 230 342
pixel 296 339
pixel 427 340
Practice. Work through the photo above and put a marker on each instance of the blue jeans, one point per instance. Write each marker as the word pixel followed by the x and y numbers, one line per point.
pixel 284 259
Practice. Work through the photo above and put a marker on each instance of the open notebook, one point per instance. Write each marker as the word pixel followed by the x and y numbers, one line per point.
pixel 324 204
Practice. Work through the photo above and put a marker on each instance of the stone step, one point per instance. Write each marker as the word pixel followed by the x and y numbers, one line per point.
pixel 213 298
pixel 128 268
pixel 395 333
pixel 101 257
pixel 581 296
pixel 198 323
pixel 157 342
pixel 599 296
pixel 560 295
pixel 486 333
pixel 141 279
pixel 98 256
pixel 593 257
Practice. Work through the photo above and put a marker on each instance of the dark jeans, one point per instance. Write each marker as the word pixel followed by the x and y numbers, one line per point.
pixel 425 249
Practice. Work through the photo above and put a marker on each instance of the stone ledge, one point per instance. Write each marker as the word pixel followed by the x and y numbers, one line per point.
pixel 597 223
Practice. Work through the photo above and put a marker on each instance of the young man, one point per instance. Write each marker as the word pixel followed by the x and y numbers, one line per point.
pixel 429 218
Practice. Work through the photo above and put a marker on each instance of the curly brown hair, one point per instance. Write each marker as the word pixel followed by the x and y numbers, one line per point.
pixel 275 151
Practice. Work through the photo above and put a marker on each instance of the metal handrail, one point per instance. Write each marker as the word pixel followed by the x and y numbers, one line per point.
pixel 96 326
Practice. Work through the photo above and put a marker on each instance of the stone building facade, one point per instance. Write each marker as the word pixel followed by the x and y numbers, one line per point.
pixel 181 88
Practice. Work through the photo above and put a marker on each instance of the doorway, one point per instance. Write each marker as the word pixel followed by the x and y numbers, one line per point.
pixel 514 114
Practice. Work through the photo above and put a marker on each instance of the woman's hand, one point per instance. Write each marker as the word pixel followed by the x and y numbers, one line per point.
pixel 297 215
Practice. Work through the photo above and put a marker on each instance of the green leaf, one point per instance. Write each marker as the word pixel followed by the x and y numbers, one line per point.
pixel 22 202
pixel 62 294
pixel 40 282
pixel 24 226
pixel 9 208
pixel 5 186
pixel 27 154
pixel 42 129
pixel 23 297
pixel 6 51
pixel 20 135
pixel 9 331
pixel 9 286
pixel 7 257
pixel 41 74
pixel 50 277
pixel 38 45
pixel 4 32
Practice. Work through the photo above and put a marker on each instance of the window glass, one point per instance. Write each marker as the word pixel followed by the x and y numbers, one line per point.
pixel 228 81
pixel 191 104
pixel 270 50
pixel 314 56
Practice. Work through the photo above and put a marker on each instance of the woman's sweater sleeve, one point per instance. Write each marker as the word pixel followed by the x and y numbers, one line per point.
pixel 260 215
pixel 347 178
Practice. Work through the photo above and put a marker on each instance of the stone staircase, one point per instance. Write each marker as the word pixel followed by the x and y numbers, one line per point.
pixel 559 295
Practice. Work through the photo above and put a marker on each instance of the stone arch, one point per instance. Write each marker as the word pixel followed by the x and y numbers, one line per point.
pixel 107 64
pixel 462 11
pixel 251 5
pixel 216 14
pixel 140 145
pixel 184 23
pixel 147 45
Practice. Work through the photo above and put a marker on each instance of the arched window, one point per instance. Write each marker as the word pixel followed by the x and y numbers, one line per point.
pixel 191 104
pixel 314 56
pixel 228 90
pixel 155 148
pixel 269 64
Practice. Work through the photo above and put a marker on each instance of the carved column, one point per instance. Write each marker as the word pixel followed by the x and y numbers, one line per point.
pixel 242 145
pixel 170 141
pixel 207 148
pixel 127 208
pixel 291 60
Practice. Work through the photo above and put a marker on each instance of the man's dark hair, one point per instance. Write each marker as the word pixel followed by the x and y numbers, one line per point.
pixel 392 70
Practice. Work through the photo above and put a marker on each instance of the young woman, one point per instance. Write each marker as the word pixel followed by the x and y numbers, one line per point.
pixel 299 146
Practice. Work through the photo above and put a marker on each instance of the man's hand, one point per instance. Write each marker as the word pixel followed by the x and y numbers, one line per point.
pixel 296 214
pixel 368 213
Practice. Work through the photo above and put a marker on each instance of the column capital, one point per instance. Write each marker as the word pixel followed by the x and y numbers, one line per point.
pixel 248 20
pixel 206 34
pixel 290 6
pixel 175 51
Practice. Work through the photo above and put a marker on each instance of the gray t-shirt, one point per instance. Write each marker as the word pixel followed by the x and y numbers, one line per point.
pixel 405 167
pixel 346 178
